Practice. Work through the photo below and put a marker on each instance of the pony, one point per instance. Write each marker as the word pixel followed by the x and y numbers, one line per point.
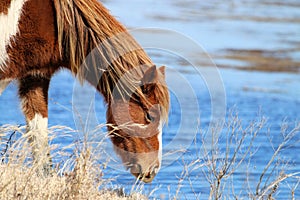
pixel 38 38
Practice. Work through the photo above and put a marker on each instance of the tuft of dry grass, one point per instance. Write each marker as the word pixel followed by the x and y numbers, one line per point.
pixel 229 153
pixel 80 177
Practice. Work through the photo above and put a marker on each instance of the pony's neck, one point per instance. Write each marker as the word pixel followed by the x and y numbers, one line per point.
pixel 98 48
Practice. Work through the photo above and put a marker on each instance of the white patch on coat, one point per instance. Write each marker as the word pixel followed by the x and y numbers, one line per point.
pixel 37 127
pixel 39 123
pixel 38 133
pixel 3 84
pixel 9 27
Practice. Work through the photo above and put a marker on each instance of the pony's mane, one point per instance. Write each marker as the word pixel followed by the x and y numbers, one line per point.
pixel 87 30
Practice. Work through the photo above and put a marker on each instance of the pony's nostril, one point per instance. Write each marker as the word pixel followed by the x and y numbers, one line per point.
pixel 136 169
pixel 148 175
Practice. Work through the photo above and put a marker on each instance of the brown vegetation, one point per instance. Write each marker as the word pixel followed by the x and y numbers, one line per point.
pixel 19 178
pixel 260 60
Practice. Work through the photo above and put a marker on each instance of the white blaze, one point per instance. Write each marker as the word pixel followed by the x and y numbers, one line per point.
pixel 9 28
pixel 160 127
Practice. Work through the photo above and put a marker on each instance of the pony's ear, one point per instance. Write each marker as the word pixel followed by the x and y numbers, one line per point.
pixel 162 70
pixel 150 75
pixel 149 80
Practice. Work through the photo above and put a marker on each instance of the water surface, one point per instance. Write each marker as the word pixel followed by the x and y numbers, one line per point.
pixel 254 44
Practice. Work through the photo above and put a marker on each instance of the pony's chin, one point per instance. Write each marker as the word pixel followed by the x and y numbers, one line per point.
pixel 147 177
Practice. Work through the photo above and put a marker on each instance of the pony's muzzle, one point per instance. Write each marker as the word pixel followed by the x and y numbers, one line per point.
pixel 145 176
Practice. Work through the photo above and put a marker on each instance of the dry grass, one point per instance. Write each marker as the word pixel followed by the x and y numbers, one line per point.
pixel 230 153
pixel 80 177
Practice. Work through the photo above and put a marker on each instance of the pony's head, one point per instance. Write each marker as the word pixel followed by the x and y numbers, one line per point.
pixel 135 124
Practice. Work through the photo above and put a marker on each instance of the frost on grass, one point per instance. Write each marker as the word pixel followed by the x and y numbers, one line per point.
pixel 79 177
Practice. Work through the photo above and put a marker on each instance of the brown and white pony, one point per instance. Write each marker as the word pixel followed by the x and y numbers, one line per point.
pixel 38 38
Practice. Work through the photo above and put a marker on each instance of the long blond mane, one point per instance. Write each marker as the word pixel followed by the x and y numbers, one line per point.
pixel 85 26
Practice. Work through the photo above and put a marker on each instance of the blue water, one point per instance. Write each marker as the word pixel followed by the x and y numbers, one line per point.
pixel 199 97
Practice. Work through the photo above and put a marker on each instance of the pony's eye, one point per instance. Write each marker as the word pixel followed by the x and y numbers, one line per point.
pixel 149 117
